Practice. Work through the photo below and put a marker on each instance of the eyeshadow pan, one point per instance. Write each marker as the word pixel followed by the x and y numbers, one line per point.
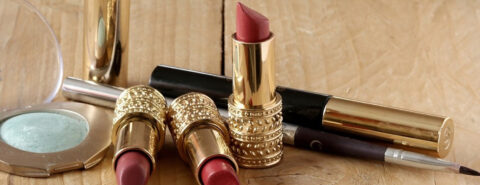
pixel 44 132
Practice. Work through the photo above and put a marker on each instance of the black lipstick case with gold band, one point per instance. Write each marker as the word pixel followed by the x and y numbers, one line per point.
pixel 429 134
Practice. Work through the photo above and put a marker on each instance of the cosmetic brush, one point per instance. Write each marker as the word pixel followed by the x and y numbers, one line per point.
pixel 303 137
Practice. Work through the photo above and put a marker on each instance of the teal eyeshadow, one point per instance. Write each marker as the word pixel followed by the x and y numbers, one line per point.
pixel 44 132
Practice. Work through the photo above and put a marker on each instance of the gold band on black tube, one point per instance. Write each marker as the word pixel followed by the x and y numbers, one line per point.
pixel 419 132
pixel 255 108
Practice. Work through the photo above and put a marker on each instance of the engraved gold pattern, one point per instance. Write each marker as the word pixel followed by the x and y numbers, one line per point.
pixel 256 134
pixel 140 100
pixel 198 131
pixel 191 110
pixel 138 122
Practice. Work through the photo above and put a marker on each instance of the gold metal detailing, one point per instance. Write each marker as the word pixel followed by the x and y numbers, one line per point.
pixel 138 123
pixel 256 134
pixel 429 133
pixel 105 48
pixel 83 156
pixel 254 72
pixel 198 131
pixel 255 108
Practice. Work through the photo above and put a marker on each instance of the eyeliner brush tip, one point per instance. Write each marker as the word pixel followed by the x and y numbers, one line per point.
pixel 468 171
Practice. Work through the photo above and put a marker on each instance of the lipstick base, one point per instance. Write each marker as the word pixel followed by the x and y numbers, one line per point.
pixel 199 148
pixel 256 134
pixel 137 136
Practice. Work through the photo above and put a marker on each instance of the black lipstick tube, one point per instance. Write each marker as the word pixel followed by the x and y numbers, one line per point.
pixel 300 107
pixel 425 133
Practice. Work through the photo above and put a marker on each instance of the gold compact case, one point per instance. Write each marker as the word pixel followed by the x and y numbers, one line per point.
pixel 24 155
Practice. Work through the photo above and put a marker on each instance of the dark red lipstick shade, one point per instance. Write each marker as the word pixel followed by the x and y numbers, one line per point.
pixel 219 171
pixel 251 25
pixel 133 168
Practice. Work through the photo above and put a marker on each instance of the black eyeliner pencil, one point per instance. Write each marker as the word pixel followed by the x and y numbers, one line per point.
pixel 339 145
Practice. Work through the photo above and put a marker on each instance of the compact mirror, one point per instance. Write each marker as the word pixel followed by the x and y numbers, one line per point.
pixel 37 137
pixel 52 138
pixel 31 64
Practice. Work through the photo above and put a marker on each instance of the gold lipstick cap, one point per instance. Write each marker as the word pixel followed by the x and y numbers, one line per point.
pixel 198 131
pixel 255 108
pixel 138 123
pixel 414 131
pixel 105 39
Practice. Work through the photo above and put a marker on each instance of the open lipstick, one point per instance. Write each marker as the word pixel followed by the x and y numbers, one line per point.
pixel 255 120
pixel 138 133
pixel 202 139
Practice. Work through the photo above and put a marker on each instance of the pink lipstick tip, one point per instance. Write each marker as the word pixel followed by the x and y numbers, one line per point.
pixel 133 168
pixel 251 25
pixel 219 172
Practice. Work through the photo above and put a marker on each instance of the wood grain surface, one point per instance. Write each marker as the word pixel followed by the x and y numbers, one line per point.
pixel 418 55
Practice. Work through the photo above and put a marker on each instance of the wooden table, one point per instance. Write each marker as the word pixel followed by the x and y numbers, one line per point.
pixel 419 55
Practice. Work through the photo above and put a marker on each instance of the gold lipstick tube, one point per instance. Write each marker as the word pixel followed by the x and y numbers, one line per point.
pixel 105 39
pixel 255 108
pixel 419 132
pixel 198 131
pixel 138 123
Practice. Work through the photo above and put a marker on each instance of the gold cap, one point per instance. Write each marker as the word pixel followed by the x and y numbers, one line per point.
pixel 428 134
pixel 198 131
pixel 255 108
pixel 254 73
pixel 105 39
pixel 138 123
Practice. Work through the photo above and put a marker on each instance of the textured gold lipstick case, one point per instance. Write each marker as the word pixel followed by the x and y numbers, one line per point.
pixel 255 108
pixel 198 131
pixel 105 39
pixel 138 123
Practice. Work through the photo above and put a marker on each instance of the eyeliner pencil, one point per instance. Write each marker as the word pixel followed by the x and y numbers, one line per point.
pixel 321 141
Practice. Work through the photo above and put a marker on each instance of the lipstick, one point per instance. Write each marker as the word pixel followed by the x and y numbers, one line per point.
pixel 255 120
pixel 212 165
pixel 298 136
pixel 251 25
pixel 138 133
pixel 202 139
pixel 415 131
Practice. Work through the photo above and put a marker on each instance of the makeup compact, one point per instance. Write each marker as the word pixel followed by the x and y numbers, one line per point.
pixel 37 137
pixel 51 138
